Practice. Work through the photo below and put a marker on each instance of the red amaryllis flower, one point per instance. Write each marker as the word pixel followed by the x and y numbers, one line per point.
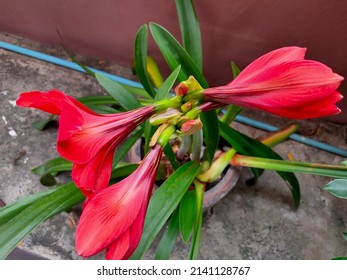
pixel 282 82
pixel 114 217
pixel 86 138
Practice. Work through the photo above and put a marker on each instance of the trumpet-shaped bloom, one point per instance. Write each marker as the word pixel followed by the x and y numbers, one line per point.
pixel 84 137
pixel 113 219
pixel 282 82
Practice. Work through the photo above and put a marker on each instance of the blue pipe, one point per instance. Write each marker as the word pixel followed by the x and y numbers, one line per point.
pixel 64 63
pixel 294 136
pixel 239 118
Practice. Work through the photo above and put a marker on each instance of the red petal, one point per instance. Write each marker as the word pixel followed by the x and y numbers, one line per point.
pixel 46 101
pixel 112 211
pixel 270 59
pixel 94 176
pixel 117 249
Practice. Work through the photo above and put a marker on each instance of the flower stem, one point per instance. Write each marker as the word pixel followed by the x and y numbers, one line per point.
pixel 339 171
pixel 193 95
pixel 231 114
pixel 217 167
pixel 165 135
pixel 174 103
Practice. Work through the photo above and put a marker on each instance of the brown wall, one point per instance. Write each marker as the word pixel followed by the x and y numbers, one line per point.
pixel 239 30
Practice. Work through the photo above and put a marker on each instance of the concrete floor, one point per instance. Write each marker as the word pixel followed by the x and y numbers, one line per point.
pixel 255 222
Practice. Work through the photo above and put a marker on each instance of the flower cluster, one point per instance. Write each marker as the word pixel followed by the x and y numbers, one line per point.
pixel 281 82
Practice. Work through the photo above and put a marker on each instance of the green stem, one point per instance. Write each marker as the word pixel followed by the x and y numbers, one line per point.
pixel 174 103
pixel 231 114
pixel 339 171
pixel 217 167
pixel 193 95
pixel 196 145
pixel 165 136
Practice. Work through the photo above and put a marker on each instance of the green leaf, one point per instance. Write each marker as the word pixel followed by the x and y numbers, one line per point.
pixel 164 90
pixel 48 180
pixel 250 147
pixel 118 92
pixel 42 124
pixel 236 70
pixel 338 187
pixel 126 146
pixel 195 246
pixel 123 170
pixel 163 203
pixel 340 258
pixel 232 110
pixel 187 214
pixel 190 30
pixel 344 235
pixel 103 109
pixel 141 43
pixel 154 72
pixel 97 100
pixel 211 134
pixel 168 240
pixel 170 154
pixel 11 210
pixel 52 166
pixel 176 55
pixel 59 199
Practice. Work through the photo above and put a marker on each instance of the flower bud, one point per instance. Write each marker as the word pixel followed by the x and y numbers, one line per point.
pixel 165 116
pixel 188 86
pixel 191 126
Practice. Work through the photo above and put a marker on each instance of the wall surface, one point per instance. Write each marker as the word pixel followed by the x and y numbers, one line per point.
pixel 238 30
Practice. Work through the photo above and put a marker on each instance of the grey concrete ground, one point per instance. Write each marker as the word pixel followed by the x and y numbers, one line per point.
pixel 255 222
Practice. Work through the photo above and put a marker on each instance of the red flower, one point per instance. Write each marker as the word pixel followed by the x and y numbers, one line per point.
pixel 282 82
pixel 114 217
pixel 86 138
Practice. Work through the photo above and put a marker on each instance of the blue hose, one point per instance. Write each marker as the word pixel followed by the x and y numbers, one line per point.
pixel 239 118
pixel 64 63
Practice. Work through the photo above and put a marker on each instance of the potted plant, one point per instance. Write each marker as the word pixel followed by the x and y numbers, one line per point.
pixel 187 144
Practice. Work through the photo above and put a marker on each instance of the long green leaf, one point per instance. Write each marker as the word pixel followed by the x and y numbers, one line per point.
pixel 12 232
pixel 337 187
pixel 195 246
pixel 126 146
pixel 11 210
pixel 52 166
pixel 190 30
pixel 187 214
pixel 344 235
pixel 168 240
pixel 103 109
pixel 211 134
pixel 154 72
pixel 176 55
pixel 164 90
pixel 123 170
pixel 118 92
pixel 248 146
pixel 141 43
pixel 170 154
pixel 164 202
pixel 97 100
